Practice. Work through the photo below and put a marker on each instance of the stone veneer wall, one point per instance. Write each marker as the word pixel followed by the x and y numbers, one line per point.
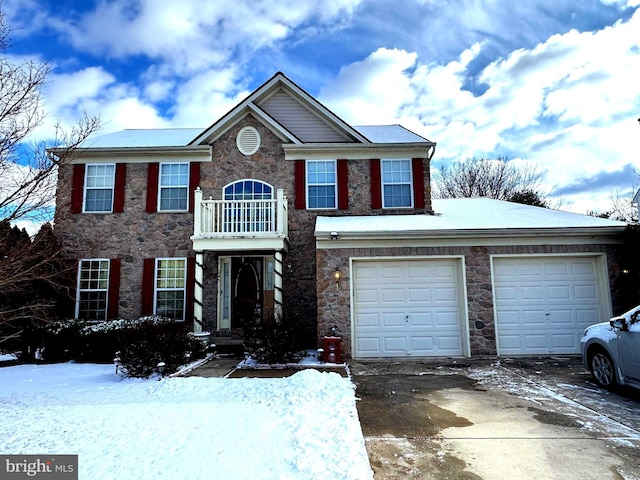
pixel 131 236
pixel 135 234
pixel 334 305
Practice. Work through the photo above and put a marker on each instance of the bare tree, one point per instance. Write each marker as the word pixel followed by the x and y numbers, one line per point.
pixel 28 171
pixel 33 273
pixel 494 178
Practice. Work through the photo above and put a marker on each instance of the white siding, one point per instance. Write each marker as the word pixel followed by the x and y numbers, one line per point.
pixel 299 120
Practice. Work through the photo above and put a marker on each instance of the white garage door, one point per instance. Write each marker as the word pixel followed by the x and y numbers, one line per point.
pixel 543 304
pixel 407 307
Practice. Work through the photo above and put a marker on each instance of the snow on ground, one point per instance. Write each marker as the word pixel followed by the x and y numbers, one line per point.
pixel 301 427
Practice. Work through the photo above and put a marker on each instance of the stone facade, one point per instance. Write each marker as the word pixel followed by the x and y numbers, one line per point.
pixel 334 304
pixel 135 234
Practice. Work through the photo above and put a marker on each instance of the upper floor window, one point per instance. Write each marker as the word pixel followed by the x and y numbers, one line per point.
pixel 170 287
pixel 99 185
pixel 321 184
pixel 93 288
pixel 248 190
pixel 396 184
pixel 174 187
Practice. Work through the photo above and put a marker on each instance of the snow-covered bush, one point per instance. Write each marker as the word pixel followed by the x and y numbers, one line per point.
pixel 274 339
pixel 141 343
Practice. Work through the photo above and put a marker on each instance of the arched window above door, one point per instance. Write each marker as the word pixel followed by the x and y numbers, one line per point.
pixel 248 190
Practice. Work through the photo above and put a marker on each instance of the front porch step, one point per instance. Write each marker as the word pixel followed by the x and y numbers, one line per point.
pixel 228 344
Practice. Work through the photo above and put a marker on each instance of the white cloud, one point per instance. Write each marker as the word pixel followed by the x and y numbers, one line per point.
pixel 555 104
pixel 193 35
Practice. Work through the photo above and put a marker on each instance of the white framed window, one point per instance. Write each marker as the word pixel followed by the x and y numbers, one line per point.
pixel 93 289
pixel 397 185
pixel 173 192
pixel 170 287
pixel 99 184
pixel 322 186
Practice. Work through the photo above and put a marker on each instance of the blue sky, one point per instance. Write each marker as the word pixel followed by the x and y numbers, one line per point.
pixel 551 82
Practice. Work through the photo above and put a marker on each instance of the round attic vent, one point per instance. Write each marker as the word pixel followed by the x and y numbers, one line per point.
pixel 248 141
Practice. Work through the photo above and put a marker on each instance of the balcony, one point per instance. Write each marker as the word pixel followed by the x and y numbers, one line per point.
pixel 247 225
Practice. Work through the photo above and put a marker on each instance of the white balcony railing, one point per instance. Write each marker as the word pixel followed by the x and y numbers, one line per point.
pixel 240 218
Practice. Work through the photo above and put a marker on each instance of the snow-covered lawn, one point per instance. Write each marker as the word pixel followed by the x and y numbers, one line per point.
pixel 302 427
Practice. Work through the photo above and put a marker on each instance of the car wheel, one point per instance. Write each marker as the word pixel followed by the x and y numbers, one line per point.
pixel 602 369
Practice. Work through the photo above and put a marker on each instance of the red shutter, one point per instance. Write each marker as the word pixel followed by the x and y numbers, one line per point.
pixel 194 182
pixel 148 277
pixel 300 185
pixel 77 187
pixel 376 185
pixel 343 185
pixel 152 187
pixel 121 175
pixel 114 288
pixel 418 183
pixel 191 280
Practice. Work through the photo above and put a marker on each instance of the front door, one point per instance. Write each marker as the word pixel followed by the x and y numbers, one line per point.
pixel 246 291
pixel 246 274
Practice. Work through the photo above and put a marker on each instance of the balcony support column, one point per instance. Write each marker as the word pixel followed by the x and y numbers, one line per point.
pixel 197 293
pixel 277 285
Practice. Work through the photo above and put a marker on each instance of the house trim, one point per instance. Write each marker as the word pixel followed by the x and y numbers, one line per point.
pixel 498 237
pixel 357 151
pixel 198 153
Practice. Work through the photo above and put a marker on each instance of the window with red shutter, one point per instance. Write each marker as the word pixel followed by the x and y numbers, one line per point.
pixel 194 182
pixel 114 288
pixel 118 201
pixel 77 188
pixel 418 183
pixel 343 185
pixel 148 277
pixel 300 185
pixel 153 171
pixel 376 184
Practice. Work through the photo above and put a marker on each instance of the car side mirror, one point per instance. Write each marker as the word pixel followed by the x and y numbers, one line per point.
pixel 620 323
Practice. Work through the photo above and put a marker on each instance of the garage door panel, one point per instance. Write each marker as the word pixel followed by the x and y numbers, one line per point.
pixel 394 319
pixel 545 303
pixel 417 302
pixel 585 292
pixel 392 295
pixel 420 319
pixel 395 343
pixel 367 320
pixel 446 295
pixel 368 345
pixel 532 293
pixel 530 318
pixel 366 295
pixel 419 295
pixel 564 341
pixel 559 292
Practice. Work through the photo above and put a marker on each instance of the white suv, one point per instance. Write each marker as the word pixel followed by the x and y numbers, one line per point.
pixel 611 350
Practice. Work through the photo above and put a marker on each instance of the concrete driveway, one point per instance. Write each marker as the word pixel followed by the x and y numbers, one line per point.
pixel 537 418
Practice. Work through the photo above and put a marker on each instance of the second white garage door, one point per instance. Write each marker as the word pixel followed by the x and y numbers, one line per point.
pixel 543 304
pixel 407 308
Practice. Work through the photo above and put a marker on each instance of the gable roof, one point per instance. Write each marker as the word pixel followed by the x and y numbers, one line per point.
pixel 256 101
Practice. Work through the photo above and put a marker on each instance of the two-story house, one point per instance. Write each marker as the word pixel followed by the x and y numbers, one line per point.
pixel 282 204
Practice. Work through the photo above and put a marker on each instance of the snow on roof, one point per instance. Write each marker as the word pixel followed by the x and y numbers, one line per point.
pixel 162 137
pixel 466 214
pixel 175 137
pixel 389 134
